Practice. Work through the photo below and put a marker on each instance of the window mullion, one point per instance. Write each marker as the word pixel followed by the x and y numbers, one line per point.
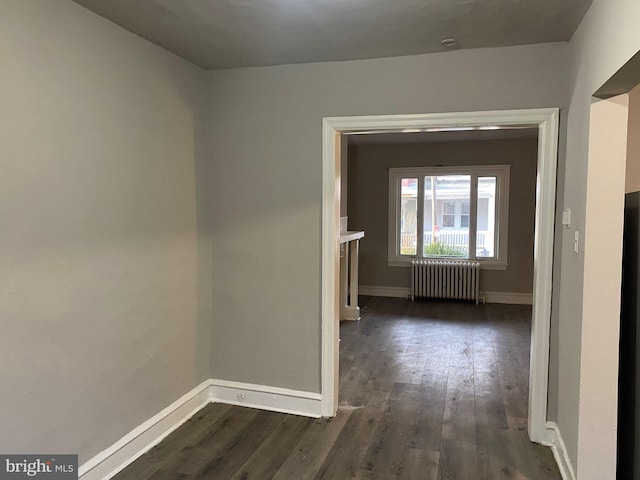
pixel 420 219
pixel 473 215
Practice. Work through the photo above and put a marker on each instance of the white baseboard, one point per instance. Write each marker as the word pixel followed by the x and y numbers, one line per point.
pixel 489 297
pixel 379 291
pixel 144 437
pixel 297 402
pixel 508 297
pixel 555 441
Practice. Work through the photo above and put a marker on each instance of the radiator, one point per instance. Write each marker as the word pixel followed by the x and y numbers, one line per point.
pixel 445 279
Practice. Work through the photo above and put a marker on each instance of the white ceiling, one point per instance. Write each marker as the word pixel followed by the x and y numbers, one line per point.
pixel 242 33
pixel 384 138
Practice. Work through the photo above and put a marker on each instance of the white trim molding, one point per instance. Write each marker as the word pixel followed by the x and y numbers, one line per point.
pixel 556 442
pixel 144 437
pixel 284 400
pixel 509 298
pixel 380 291
pixel 546 120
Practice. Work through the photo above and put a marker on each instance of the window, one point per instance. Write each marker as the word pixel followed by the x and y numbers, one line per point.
pixel 464 213
pixel 449 215
pixel 449 212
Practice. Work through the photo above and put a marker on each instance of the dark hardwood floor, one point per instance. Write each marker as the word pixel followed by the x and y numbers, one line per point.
pixel 428 390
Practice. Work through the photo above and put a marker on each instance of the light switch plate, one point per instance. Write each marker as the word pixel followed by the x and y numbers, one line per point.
pixel 566 218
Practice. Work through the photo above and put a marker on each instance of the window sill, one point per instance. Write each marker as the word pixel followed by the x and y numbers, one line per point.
pixel 484 265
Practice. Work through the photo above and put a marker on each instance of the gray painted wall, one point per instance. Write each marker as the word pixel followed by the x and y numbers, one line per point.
pixel 105 288
pixel 266 150
pixel 105 247
pixel 368 200
pixel 607 37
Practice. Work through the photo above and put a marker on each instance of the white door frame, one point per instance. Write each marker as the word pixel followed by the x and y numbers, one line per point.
pixel 547 122
pixel 602 284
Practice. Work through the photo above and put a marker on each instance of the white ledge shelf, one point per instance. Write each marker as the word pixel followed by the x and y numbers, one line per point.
pixel 350 236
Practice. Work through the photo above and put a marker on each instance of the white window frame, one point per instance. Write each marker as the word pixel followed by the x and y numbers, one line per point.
pixel 502 174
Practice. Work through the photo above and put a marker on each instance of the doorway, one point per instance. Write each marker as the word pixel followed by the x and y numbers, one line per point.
pixel 613 160
pixel 546 120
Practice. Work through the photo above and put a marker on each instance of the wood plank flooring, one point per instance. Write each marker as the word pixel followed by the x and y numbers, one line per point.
pixel 428 391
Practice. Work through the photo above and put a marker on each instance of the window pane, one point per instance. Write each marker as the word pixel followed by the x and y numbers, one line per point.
pixel 464 215
pixel 485 242
pixel 446 222
pixel 448 215
pixel 409 216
